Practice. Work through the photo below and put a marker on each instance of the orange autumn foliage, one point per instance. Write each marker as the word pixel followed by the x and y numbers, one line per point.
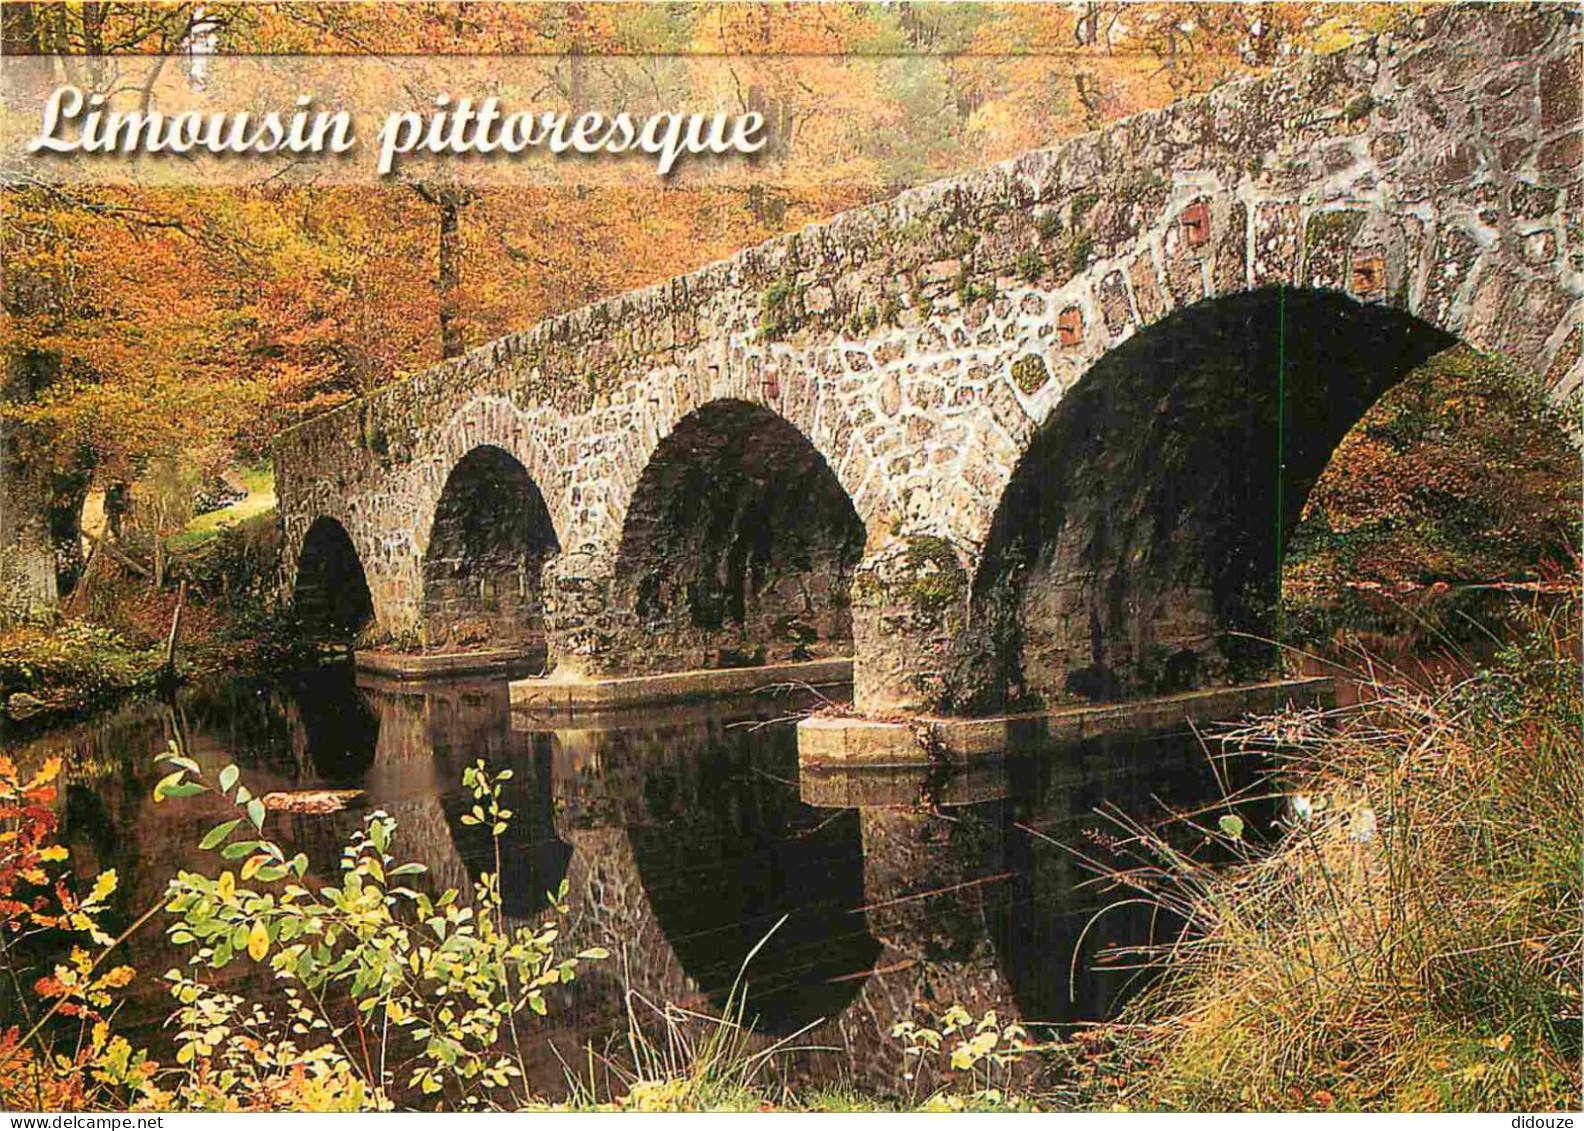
pixel 204 320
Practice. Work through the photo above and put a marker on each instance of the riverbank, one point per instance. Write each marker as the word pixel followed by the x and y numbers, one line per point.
pixel 1403 936
pixel 1407 937
pixel 110 641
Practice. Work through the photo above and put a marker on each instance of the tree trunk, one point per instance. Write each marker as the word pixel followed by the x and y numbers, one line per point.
pixel 449 200
pixel 450 277
pixel 29 511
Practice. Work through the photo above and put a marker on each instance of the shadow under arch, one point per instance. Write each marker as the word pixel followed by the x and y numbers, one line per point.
pixel 1135 549
pixel 331 593
pixel 739 545
pixel 490 538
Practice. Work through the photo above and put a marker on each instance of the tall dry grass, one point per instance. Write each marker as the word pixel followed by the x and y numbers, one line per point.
pixel 1407 934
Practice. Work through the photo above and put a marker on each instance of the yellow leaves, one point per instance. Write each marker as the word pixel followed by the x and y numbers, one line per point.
pixel 969 1053
pixel 225 887
pixel 258 941
pixel 54 854
pixel 104 887
pixel 117 978
pixel 47 773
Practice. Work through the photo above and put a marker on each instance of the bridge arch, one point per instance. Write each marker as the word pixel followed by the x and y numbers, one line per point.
pixel 738 544
pixel 330 592
pixel 483 562
pixel 1137 546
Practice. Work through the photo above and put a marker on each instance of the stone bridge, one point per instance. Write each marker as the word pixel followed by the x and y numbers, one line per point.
pixel 1029 435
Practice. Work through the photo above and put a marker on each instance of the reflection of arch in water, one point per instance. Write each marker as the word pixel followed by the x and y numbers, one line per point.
pixel 438 729
pixel 929 877
pixel 719 847
pixel 719 886
pixel 533 859
pixel 1050 905
pixel 338 729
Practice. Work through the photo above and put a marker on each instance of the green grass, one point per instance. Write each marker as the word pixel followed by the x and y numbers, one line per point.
pixel 74 665
pixel 260 483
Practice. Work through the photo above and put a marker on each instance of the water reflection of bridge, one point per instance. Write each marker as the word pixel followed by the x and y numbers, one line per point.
pixel 684 836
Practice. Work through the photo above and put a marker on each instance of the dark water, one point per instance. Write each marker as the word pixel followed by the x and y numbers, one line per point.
pixel 684 835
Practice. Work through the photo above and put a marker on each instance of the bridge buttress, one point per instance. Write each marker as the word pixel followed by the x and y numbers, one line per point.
pixel 582 632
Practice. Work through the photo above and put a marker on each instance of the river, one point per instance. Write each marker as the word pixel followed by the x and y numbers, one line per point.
pixel 685 835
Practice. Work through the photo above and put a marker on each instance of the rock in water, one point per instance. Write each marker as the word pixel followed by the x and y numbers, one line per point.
pixel 309 800
pixel 21 705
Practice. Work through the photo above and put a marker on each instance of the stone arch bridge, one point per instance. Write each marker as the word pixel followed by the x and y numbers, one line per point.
pixel 1032 434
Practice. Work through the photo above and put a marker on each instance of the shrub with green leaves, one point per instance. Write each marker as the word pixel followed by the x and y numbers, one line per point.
pixel 387 973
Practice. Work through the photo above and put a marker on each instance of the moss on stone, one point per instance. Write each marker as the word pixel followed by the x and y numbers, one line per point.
pixel 1079 248
pixel 1082 204
pixel 1072 258
pixel 1029 373
pixel 969 290
pixel 916 232
pixel 861 323
pixel 1131 189
pixel 1326 226
pixel 937 583
pixel 781 310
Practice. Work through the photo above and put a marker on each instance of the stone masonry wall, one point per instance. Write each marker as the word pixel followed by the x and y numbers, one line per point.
pixel 919 344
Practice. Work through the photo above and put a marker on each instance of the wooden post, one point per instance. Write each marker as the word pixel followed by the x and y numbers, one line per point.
pixel 175 630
